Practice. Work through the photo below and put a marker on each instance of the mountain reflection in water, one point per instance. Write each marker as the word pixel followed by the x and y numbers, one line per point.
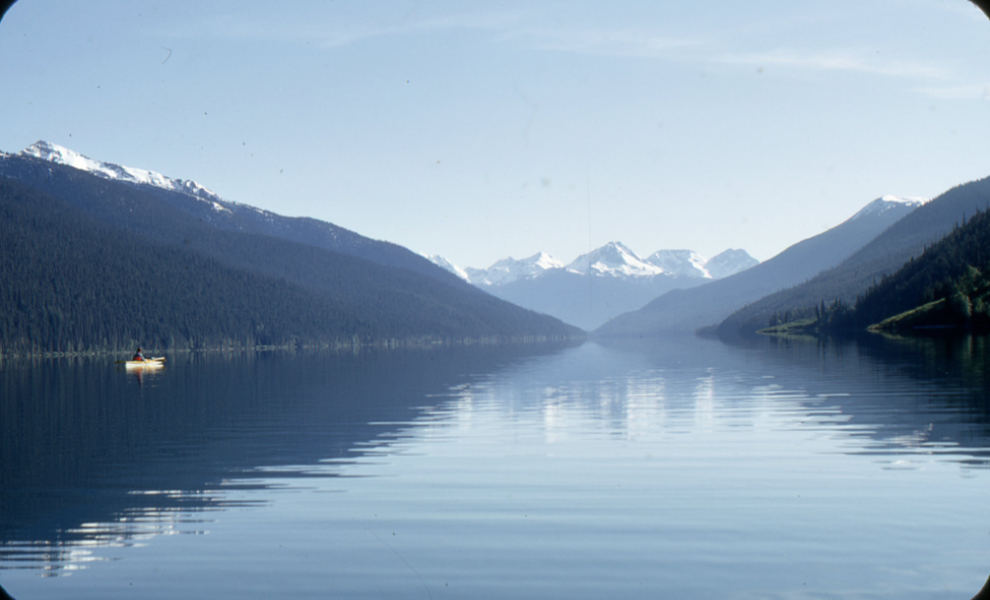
pixel 98 456
pixel 99 464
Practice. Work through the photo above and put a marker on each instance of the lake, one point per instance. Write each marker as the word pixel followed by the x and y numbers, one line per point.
pixel 682 468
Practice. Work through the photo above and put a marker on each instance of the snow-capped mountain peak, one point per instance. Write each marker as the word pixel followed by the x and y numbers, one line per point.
pixel 544 261
pixel 509 269
pixel 729 262
pixel 881 205
pixel 61 155
pixel 613 259
pixel 683 263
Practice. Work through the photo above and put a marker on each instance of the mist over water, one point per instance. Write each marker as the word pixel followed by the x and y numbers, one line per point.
pixel 677 468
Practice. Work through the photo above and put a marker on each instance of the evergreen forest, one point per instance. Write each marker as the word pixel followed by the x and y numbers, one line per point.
pixel 72 282
pixel 946 287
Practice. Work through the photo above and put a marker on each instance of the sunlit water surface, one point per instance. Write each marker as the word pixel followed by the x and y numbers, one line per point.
pixel 686 469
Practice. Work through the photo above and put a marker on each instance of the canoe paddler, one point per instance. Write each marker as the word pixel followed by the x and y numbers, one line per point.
pixel 138 355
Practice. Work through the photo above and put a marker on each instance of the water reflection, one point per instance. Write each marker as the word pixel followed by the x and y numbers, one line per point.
pixel 927 396
pixel 94 456
pixel 96 460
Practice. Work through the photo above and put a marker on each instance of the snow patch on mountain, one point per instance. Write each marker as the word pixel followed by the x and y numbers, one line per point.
pixel 613 259
pixel 61 155
pixel 679 263
pixel 509 269
pixel 882 205
pixel 445 264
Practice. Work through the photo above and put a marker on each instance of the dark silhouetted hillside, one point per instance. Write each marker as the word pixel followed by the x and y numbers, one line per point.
pixel 691 309
pixel 149 210
pixel 71 282
pixel 888 252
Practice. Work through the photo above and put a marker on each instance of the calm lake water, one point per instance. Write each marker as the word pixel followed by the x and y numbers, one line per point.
pixel 678 469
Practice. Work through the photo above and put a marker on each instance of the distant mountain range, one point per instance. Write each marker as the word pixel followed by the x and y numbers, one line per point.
pixel 707 305
pixel 97 256
pixel 600 284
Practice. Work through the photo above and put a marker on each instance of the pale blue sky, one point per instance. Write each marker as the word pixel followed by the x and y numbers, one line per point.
pixel 488 129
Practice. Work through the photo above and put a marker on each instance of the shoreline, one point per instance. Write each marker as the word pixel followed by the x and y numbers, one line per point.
pixel 354 346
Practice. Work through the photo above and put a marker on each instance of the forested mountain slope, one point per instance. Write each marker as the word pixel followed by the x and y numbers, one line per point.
pixel 957 268
pixel 71 282
pixel 156 216
pixel 947 287
pixel 884 255
pixel 688 310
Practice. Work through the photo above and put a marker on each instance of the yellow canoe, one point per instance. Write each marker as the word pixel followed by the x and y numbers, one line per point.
pixel 150 363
